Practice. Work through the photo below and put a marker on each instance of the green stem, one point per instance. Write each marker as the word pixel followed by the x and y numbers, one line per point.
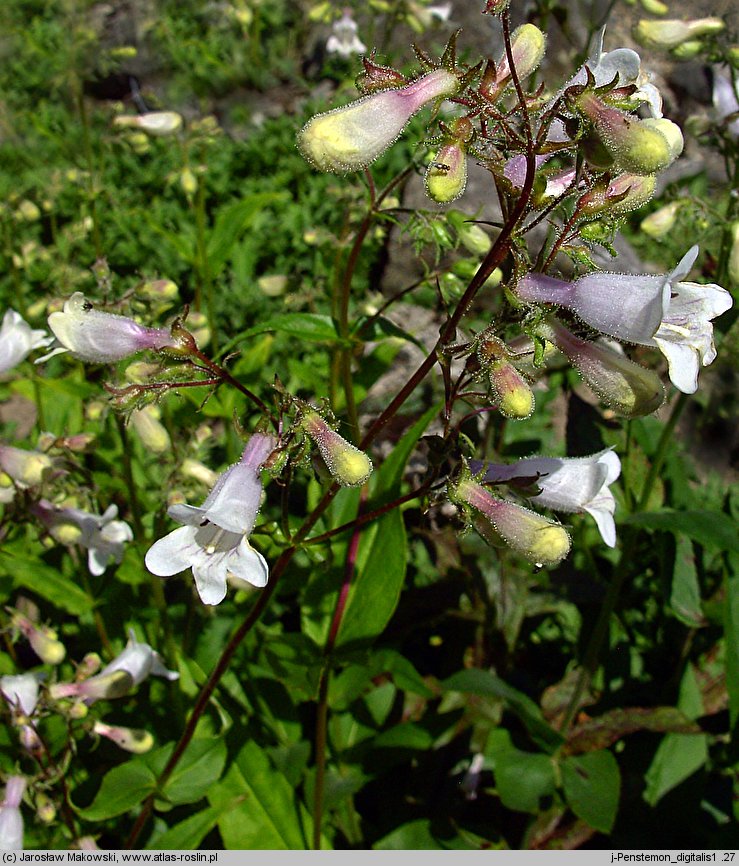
pixel 128 476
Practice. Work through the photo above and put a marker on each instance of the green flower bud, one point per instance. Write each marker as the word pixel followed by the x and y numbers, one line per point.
pixel 671 33
pixel 349 466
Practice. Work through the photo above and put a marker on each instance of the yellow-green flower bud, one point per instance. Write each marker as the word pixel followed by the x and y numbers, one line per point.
pixel 351 137
pixel 655 7
pixel 188 182
pixel 349 466
pixel 508 387
pixel 671 132
pixel 150 430
pixel 273 285
pixel 446 175
pixel 634 145
pixel 538 539
pixel 688 50
pixel 131 739
pixel 673 32
pixel 661 222
pixel 27 211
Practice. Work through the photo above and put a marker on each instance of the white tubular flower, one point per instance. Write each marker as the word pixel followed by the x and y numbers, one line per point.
pixel 351 137
pixel 102 536
pixel 21 692
pixel 214 541
pixel 570 484
pixel 130 668
pixel 343 39
pixel 11 820
pixel 18 339
pixel 101 338
pixel 658 310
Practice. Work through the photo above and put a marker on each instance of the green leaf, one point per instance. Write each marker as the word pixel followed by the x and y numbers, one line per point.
pixel 45 581
pixel 413 836
pixel 312 327
pixel 382 327
pixel 710 528
pixel 479 682
pixel 230 222
pixel 375 591
pixel 523 778
pixel 592 786
pixel 123 788
pixel 685 596
pixel 261 812
pixel 188 834
pixel 678 756
pixel 199 768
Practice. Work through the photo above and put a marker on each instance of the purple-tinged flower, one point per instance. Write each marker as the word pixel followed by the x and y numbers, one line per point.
pixel 43 639
pixel 343 39
pixel 102 338
pixel 18 339
pixel 446 175
pixel 21 692
pixel 538 539
pixel 651 310
pixel 628 388
pixel 726 102
pixel 351 137
pixel 570 484
pixel 11 820
pixel 128 669
pixel 103 536
pixel 132 740
pixel 214 541
pixel 527 50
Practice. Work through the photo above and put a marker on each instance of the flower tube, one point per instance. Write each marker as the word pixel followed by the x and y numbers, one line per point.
pixel 11 820
pixel 569 484
pixel 651 310
pixel 349 466
pixel 102 338
pixel 214 541
pixel 351 137
pixel 538 539
pixel 631 390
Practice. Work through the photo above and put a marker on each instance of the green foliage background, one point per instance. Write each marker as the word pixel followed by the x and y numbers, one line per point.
pixel 447 649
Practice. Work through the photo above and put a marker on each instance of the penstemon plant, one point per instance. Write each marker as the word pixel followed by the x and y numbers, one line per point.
pixel 328 522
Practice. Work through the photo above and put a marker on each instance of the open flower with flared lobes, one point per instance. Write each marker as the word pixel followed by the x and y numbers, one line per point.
pixel 570 484
pixel 11 820
pixel 351 137
pixel 131 667
pixel 538 539
pixel 651 310
pixel 343 39
pixel 103 536
pixel 92 335
pixel 18 339
pixel 214 541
